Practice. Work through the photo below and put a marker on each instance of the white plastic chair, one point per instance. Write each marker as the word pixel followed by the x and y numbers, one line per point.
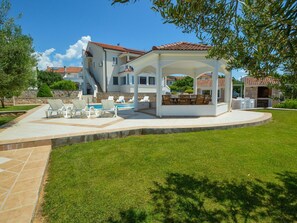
pixel 145 99
pixel 57 105
pixel 82 107
pixel 131 100
pixel 110 98
pixel 121 99
pixel 109 106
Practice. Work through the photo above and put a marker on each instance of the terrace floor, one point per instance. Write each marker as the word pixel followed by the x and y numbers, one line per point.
pixel 35 126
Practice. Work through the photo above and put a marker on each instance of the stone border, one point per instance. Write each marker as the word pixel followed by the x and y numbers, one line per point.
pixel 67 139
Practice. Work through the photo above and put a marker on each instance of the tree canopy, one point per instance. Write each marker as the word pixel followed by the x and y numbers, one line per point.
pixel 16 56
pixel 259 36
pixel 47 77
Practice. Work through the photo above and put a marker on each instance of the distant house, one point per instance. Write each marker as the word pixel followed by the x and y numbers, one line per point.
pixel 204 86
pixel 69 73
pixel 261 89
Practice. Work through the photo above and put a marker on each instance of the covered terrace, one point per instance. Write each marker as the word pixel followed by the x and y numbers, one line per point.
pixel 189 59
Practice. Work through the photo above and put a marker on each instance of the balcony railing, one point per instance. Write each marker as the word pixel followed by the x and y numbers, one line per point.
pixel 126 68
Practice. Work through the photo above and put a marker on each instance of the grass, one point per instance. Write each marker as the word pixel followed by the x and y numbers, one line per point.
pixel 18 108
pixel 236 175
pixel 7 118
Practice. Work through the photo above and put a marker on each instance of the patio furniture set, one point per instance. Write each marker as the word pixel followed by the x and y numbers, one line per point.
pixel 186 99
pixel 79 107
pixel 121 99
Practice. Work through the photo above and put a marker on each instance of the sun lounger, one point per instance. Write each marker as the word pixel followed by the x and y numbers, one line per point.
pixel 145 99
pixel 110 98
pixel 109 106
pixel 121 99
pixel 82 107
pixel 56 105
pixel 131 100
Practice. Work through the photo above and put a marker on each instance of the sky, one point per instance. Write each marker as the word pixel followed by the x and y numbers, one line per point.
pixel 62 28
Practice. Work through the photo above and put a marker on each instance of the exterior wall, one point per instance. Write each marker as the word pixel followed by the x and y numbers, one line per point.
pixel 112 70
pixel 97 61
pixel 188 110
pixel 251 92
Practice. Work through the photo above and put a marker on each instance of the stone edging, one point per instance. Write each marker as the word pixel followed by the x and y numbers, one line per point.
pixel 73 139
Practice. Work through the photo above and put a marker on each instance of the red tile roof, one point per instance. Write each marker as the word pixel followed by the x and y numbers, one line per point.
pixel 208 83
pixel 183 46
pixel 252 81
pixel 61 70
pixel 119 48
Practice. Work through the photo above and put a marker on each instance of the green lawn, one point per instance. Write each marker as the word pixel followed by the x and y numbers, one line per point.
pixel 18 108
pixel 237 175
pixel 8 118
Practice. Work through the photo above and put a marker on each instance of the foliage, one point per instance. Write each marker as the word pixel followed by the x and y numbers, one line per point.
pixel 258 36
pixel 16 56
pixel 65 85
pixel 287 85
pixel 46 77
pixel 290 103
pixel 131 179
pixel 44 91
pixel 189 91
pixel 182 84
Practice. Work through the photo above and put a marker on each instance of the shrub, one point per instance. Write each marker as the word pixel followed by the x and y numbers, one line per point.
pixel 290 103
pixel 65 85
pixel 44 91
pixel 189 91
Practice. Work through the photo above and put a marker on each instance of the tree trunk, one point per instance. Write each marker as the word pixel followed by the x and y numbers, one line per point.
pixel 2 102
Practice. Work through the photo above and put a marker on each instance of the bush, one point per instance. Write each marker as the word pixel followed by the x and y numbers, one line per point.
pixel 44 91
pixel 290 103
pixel 65 85
pixel 189 91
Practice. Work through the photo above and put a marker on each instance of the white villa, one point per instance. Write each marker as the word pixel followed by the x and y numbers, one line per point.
pixel 109 68
pixel 105 69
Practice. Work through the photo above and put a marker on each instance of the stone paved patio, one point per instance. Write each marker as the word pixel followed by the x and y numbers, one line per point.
pixel 21 174
pixel 36 127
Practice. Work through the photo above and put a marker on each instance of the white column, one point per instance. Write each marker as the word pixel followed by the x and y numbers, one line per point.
pixel 135 92
pixel 214 98
pixel 195 84
pixel 159 88
pixel 227 88
pixel 231 93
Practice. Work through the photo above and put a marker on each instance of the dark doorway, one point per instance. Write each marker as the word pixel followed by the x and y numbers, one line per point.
pixel 264 92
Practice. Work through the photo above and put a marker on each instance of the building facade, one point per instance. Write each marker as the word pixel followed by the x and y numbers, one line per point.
pixel 105 69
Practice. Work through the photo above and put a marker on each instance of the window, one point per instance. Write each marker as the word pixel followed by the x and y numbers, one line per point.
pixel 151 80
pixel 123 80
pixel 142 80
pixel 115 80
pixel 128 79
pixel 132 79
pixel 114 60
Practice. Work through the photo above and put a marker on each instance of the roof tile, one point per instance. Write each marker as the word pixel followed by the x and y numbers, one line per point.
pixel 183 46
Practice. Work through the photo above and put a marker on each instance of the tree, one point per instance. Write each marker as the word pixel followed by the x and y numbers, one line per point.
pixel 44 91
pixel 65 85
pixel 46 77
pixel 16 56
pixel 259 36
pixel 182 84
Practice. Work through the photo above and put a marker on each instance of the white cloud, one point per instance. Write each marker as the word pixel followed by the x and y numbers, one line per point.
pixel 72 55
pixel 74 51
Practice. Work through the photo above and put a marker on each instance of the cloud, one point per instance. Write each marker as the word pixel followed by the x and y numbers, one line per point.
pixel 75 50
pixel 72 55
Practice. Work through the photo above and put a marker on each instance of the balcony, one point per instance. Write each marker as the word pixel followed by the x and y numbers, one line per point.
pixel 125 68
